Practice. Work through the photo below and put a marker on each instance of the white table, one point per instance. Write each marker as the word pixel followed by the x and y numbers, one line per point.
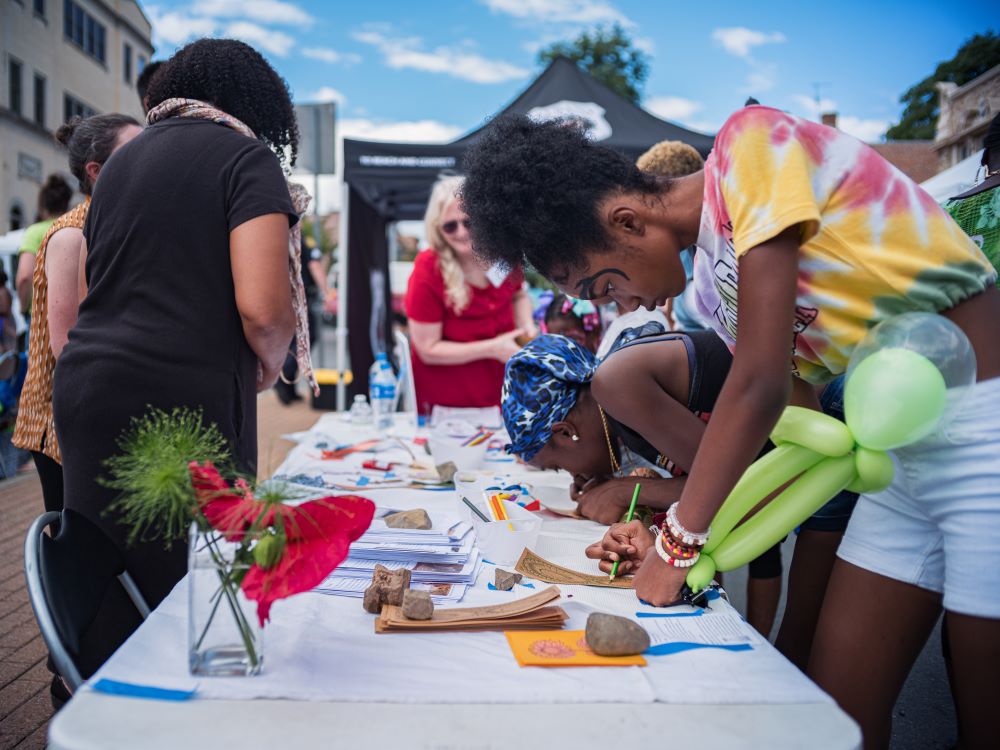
pixel 95 720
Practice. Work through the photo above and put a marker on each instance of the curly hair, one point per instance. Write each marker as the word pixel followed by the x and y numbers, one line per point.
pixel 671 159
pixel 91 139
pixel 236 78
pixel 54 196
pixel 532 190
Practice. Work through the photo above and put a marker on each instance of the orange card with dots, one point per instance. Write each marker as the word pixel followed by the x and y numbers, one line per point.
pixel 561 648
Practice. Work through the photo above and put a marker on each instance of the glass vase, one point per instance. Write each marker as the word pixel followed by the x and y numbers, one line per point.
pixel 224 637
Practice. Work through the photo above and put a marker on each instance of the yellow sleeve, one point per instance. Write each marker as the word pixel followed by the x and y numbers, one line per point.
pixel 768 188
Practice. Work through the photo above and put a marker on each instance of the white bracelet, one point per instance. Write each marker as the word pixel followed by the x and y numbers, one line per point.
pixel 678 532
pixel 670 560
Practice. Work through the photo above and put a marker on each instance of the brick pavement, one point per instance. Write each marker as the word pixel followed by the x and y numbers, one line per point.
pixel 25 708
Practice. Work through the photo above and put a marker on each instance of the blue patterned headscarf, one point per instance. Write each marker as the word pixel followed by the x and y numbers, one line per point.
pixel 540 387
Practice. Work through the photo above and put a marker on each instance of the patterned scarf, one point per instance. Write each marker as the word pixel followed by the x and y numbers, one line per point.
pixel 540 387
pixel 300 201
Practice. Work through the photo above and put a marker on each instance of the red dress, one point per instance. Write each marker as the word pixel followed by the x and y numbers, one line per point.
pixel 490 312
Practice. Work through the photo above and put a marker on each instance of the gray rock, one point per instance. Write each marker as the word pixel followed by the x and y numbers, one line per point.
pixel 447 471
pixel 373 600
pixel 610 635
pixel 409 519
pixel 417 605
pixel 505 580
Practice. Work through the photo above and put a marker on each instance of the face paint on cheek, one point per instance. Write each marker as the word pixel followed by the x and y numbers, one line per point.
pixel 585 286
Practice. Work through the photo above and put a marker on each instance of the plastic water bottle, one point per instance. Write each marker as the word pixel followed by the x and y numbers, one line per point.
pixel 361 412
pixel 382 391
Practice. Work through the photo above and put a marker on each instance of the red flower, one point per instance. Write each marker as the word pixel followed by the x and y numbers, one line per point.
pixel 318 535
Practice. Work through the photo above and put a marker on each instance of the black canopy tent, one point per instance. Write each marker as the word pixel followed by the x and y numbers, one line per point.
pixel 387 182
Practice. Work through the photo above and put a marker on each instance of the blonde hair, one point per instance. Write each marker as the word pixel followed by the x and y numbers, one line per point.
pixel 456 290
pixel 671 159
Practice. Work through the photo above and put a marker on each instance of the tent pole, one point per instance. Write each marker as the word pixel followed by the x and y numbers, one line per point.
pixel 342 253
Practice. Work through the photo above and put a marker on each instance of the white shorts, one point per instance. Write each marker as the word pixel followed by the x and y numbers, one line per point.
pixel 938 525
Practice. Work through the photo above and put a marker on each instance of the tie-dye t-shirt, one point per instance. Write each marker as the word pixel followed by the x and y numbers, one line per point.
pixel 873 244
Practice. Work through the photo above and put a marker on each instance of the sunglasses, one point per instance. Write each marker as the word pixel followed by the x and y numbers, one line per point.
pixel 450 227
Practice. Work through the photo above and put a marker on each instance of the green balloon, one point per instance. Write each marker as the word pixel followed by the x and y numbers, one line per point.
pixel 762 478
pixel 875 471
pixel 701 573
pixel 794 505
pixel 814 430
pixel 894 397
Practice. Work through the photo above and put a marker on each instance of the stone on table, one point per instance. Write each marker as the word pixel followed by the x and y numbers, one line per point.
pixel 417 605
pixel 387 587
pixel 505 580
pixel 610 635
pixel 409 519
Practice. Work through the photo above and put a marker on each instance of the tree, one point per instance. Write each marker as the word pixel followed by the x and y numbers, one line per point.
pixel 609 55
pixel 920 115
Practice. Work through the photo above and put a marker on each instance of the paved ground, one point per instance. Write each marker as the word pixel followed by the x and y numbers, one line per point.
pixel 924 717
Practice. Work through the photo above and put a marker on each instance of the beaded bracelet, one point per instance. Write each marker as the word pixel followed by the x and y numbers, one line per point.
pixel 677 530
pixel 675 562
pixel 676 548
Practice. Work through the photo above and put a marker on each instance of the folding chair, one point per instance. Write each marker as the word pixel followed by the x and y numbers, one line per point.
pixel 70 577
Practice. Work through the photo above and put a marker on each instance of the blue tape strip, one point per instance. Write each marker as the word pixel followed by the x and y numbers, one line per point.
pixel 130 690
pixel 676 647
pixel 491 587
pixel 363 481
pixel 696 613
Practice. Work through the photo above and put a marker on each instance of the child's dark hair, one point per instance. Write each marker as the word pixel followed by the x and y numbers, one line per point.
pixel 145 78
pixel 532 189
pixel 234 77
pixel 91 139
pixel 55 195
pixel 565 308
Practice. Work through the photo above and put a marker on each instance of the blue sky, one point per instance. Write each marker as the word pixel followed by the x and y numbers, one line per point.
pixel 430 71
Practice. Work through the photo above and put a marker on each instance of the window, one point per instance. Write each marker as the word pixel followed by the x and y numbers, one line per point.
pixel 39 6
pixel 73 107
pixel 16 216
pixel 140 64
pixel 127 63
pixel 84 30
pixel 14 85
pixel 40 99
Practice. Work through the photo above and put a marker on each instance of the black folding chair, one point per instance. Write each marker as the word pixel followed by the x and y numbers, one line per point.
pixel 82 614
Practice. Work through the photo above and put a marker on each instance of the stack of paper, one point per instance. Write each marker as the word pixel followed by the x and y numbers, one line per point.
pixel 529 613
pixel 422 572
pixel 441 593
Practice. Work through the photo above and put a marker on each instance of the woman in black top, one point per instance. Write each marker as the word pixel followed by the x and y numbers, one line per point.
pixel 189 302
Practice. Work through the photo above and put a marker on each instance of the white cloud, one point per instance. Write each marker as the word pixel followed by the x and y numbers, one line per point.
pixel 868 130
pixel 174 28
pixel 276 42
pixel 672 107
pixel 412 131
pixel 560 11
pixel 740 41
pixel 865 130
pixel 645 44
pixel 323 94
pixel 264 11
pixel 459 62
pixel 331 55
pixel 761 78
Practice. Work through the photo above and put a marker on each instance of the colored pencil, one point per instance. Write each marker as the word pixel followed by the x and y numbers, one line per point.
pixel 475 510
pixel 628 517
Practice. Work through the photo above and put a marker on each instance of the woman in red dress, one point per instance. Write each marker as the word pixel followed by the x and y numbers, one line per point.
pixel 464 317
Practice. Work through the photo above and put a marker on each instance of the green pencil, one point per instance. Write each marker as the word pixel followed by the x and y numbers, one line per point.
pixel 628 517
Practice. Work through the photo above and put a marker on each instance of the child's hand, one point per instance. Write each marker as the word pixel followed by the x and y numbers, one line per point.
pixel 625 543
pixel 658 583
pixel 605 502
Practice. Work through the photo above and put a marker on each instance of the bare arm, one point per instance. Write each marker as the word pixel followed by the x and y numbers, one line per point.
pixel 81 278
pixel 434 350
pixel 645 388
pixel 258 252
pixel 319 276
pixel 22 280
pixel 62 268
pixel 607 502
pixel 755 393
pixel 523 314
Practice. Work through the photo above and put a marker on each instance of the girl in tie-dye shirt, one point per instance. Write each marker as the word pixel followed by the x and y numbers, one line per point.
pixel 806 238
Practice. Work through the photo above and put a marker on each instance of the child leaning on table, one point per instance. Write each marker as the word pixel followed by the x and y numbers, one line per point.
pixel 813 238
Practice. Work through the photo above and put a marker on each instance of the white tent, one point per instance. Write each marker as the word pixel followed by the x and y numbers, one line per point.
pixel 954 180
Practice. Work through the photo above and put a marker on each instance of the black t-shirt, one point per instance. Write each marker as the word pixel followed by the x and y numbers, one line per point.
pixel 160 322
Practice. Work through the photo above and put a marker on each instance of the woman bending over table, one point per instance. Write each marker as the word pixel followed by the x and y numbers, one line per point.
pixel 464 317
pixel 812 238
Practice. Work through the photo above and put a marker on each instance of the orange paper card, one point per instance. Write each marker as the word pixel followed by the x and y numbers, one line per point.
pixel 562 648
